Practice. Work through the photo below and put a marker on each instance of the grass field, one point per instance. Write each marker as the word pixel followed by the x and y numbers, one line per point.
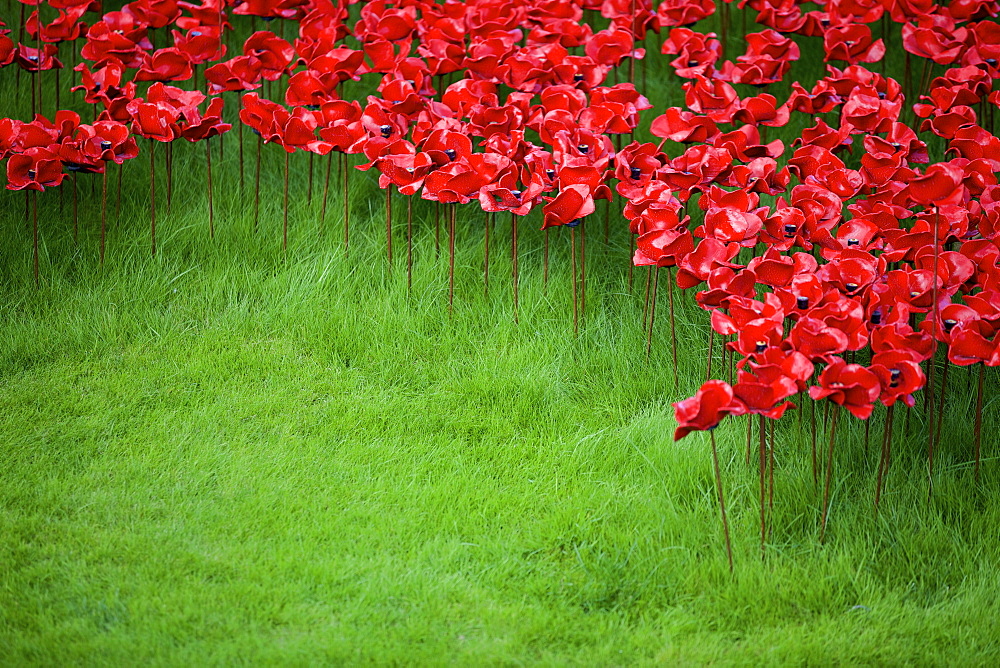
pixel 222 455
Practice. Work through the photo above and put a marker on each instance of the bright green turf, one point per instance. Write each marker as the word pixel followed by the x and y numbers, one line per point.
pixel 217 456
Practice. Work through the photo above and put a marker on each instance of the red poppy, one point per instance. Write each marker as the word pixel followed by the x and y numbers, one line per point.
pixel 761 110
pixel 571 204
pixel 165 65
pixel 204 126
pixel 390 24
pixel 706 409
pixel 66 27
pixel 695 169
pixel 765 390
pixel 850 385
pixel 237 74
pixel 899 376
pixel 37 168
pixel 460 181
pixel 684 12
pixel 712 97
pixel 769 56
pixel 270 9
pixel 760 175
pixel 341 126
pixel 867 110
pixel 116 143
pixel 105 44
pixel 274 53
pixel 696 52
pixel 939 184
pixel 744 144
pixel 503 195
pixel 202 44
pixel 154 121
pixel 852 43
pixel 970 347
pixel 683 126
pixel 710 254
pixel 154 13
pixel 973 142
pixel 37 60
pixel 612 46
pixel 935 36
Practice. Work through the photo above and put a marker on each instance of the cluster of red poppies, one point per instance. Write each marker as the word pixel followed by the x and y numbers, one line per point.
pixel 884 255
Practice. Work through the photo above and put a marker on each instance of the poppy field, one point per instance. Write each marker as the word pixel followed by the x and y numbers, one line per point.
pixel 491 332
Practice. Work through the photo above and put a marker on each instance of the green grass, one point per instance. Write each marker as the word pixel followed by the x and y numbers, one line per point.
pixel 219 455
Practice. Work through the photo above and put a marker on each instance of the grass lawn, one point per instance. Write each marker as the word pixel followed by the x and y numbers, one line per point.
pixel 219 455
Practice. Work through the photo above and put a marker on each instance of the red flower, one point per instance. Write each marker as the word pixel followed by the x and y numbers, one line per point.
pixel 201 45
pixel 939 184
pixel 684 12
pixel 116 143
pixel 107 44
pixel 683 126
pixel 635 166
pixel 697 266
pixel 237 74
pixel 852 43
pixel 341 126
pixel 696 52
pixel 274 53
pixel 154 121
pixel 165 65
pixel 461 180
pixel 666 240
pixel 270 9
pixel 390 24
pixel 712 97
pixel 503 195
pixel 764 392
pixel 706 409
pixel 612 46
pixel 761 110
pixel 868 111
pixel 970 347
pixel 154 13
pixel 936 37
pixel 36 169
pixel 208 125
pixel 37 60
pixel 104 84
pixel 850 385
pixel 899 375
pixel 769 56
pixel 66 27
pixel 571 204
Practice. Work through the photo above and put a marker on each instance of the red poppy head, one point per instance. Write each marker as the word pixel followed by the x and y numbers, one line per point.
pixel 663 247
pixel 274 53
pixel 712 97
pixel 36 169
pixel 850 385
pixel 202 44
pixel 571 204
pixel 899 376
pixel 706 409
pixel 852 43
pixel 686 127
pixel 612 46
pixel 708 255
pixel 684 12
pixel 165 65
pixel 764 390
pixel 939 184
